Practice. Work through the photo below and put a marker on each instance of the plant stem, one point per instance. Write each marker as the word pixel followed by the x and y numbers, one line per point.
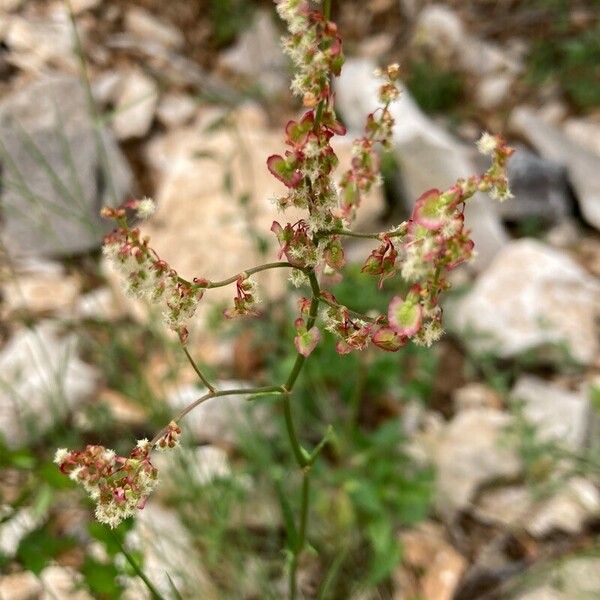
pixel 215 394
pixel 198 372
pixel 304 504
pixel 248 272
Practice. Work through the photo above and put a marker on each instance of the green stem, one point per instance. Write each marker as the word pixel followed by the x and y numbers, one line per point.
pixel 304 505
pixel 363 234
pixel 198 372
pixel 248 272
pixel 215 394
pixel 300 453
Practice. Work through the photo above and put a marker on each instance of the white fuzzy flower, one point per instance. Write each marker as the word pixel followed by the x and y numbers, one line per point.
pixel 487 144
pixel 146 208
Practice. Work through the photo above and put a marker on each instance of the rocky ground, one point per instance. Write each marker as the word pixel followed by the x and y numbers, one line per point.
pixel 182 101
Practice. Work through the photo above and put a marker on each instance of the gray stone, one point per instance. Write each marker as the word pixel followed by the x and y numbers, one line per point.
pixel 532 297
pixel 135 106
pixel 467 453
pixel 20 586
pixel 41 379
pixel 540 187
pixel 429 156
pixel 582 165
pixel 558 414
pixel 62 583
pixel 15 527
pixel 169 555
pixel 494 90
pixel 257 55
pixel 175 109
pixel 55 178
pixel 575 578
pixel 440 28
pixel 146 26
pixel 217 420
pixel 516 507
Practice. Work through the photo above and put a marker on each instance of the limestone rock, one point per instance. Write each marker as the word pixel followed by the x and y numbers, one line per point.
pixel 62 583
pixel 168 553
pixel 257 55
pixel 41 293
pixel 217 420
pixel 135 106
pixel 530 297
pixel 468 452
pixel 583 165
pixel 576 502
pixel 20 586
pixel 175 110
pixel 147 27
pixel 540 187
pixel 558 414
pixel 55 179
pixel 14 528
pixel 426 549
pixel 41 379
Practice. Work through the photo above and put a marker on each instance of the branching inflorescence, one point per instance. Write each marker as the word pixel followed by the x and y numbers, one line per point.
pixel 421 251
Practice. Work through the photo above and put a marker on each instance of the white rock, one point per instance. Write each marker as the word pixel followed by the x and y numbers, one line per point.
pixel 169 553
pixel 36 43
pixel 531 296
pixel 62 583
pixel 220 419
pixel 567 511
pixel 81 6
pixel 41 379
pixel 584 132
pixel 146 26
pixel 558 414
pixel 135 106
pixel 467 453
pixel 429 156
pixel 15 528
pixel 106 86
pixel 20 586
pixel 48 136
pixel 476 395
pixel 575 578
pixel 440 27
pixel 197 466
pixel 10 5
pixel 257 55
pixel 583 165
pixel 176 109
pixel 493 91
pixel 41 293
pixel 99 304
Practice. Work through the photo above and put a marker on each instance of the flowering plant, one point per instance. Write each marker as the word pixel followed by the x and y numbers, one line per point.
pixel 421 250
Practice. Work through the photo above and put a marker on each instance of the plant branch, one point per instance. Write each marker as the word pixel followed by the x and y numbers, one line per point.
pixel 248 272
pixel 197 369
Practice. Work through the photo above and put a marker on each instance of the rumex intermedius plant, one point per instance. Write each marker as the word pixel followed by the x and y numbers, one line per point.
pixel 421 250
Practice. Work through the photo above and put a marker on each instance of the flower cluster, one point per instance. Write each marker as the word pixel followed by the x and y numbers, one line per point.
pixel 119 485
pixel 146 274
pixel 314 48
pixel 246 298
pixel 364 171
pixel 421 251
